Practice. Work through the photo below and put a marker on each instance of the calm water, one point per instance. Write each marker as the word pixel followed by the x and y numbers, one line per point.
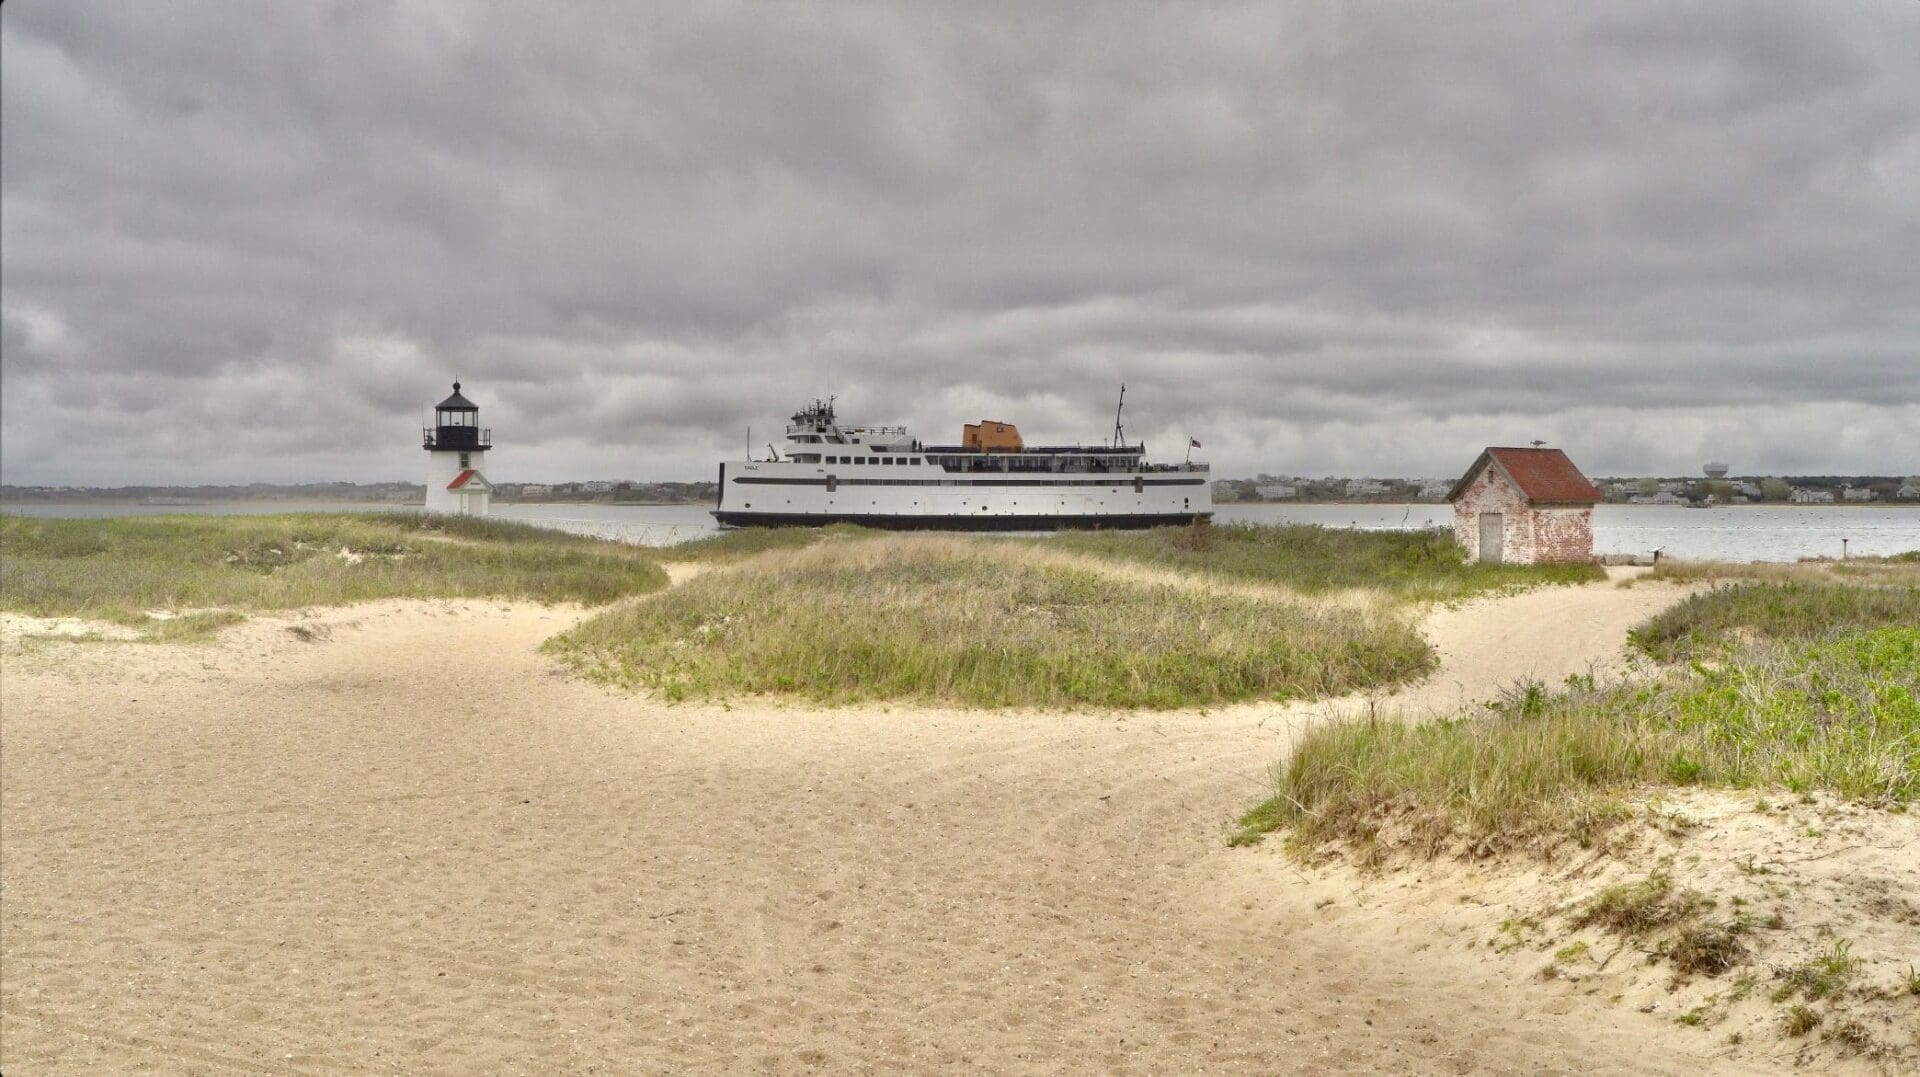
pixel 1723 534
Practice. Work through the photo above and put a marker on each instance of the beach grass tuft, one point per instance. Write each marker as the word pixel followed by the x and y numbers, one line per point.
pixel 1635 908
pixel 1824 975
pixel 196 626
pixel 1711 949
pixel 117 568
pixel 1412 565
pixel 986 624
pixel 1839 714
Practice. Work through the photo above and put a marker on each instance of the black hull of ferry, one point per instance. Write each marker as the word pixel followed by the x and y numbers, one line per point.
pixel 982 522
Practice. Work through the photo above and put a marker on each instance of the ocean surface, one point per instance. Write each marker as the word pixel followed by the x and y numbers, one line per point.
pixel 1746 533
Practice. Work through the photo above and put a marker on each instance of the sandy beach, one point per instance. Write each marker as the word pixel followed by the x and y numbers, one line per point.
pixel 402 839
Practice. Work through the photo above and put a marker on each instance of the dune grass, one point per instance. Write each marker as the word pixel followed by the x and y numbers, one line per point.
pixel 117 569
pixel 193 626
pixel 983 624
pixel 1412 565
pixel 1786 705
pixel 1894 569
pixel 741 543
pixel 196 626
pixel 1408 565
pixel 1707 624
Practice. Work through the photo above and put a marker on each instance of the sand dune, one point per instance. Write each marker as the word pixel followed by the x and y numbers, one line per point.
pixel 410 843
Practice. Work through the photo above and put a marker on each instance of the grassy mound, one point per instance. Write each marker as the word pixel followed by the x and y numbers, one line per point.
pixel 747 542
pixel 1840 713
pixel 113 569
pixel 1710 622
pixel 978 623
pixel 1417 565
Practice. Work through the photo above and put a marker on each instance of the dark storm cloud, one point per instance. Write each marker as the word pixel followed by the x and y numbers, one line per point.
pixel 243 242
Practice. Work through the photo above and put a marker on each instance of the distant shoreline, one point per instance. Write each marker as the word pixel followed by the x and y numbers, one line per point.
pixel 1603 504
pixel 196 502
pixel 304 504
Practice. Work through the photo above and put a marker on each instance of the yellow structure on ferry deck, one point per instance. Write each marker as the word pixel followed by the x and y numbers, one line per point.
pixel 989 436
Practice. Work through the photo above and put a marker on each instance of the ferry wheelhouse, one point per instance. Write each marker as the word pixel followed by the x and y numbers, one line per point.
pixel 882 476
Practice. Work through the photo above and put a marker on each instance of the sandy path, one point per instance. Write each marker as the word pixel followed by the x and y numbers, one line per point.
pixel 413 845
pixel 1547 634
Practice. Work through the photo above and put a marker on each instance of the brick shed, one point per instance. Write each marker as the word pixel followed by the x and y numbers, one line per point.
pixel 1524 507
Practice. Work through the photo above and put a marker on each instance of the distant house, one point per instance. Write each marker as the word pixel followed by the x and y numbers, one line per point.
pixel 1524 506
pixel 1812 497
pixel 1365 488
pixel 1276 491
pixel 1661 498
pixel 1857 493
pixel 536 489
pixel 1750 490
pixel 1909 492
pixel 1436 490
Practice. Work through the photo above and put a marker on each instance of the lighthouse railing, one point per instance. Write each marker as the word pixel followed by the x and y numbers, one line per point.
pixel 456 437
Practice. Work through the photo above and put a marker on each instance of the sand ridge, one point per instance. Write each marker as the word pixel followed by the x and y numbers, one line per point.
pixel 409 841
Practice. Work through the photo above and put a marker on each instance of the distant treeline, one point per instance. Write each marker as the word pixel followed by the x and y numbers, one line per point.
pixel 398 493
pixel 1760 489
pixel 1784 489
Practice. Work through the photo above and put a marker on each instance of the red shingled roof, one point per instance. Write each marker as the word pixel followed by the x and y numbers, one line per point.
pixel 462 479
pixel 1543 475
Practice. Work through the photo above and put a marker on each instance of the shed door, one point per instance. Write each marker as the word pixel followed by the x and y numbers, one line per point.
pixel 1492 537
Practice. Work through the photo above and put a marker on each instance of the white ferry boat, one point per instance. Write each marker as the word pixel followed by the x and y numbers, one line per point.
pixel 881 476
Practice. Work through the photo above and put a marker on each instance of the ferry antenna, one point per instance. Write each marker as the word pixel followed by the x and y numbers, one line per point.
pixel 1119 432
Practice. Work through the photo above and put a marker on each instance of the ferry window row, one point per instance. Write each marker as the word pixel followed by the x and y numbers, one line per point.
pixel 915 460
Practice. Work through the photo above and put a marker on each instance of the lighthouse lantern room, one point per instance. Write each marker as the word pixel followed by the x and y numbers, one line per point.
pixel 456 444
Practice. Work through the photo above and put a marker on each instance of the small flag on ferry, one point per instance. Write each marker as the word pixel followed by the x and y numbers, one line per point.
pixel 1192 443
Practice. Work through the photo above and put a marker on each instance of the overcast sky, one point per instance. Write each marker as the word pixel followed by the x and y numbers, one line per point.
pixel 246 241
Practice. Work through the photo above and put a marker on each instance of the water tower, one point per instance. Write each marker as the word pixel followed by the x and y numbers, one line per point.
pixel 456 445
pixel 1715 471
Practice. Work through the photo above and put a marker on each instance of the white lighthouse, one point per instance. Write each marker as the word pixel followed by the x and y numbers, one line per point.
pixel 456 445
